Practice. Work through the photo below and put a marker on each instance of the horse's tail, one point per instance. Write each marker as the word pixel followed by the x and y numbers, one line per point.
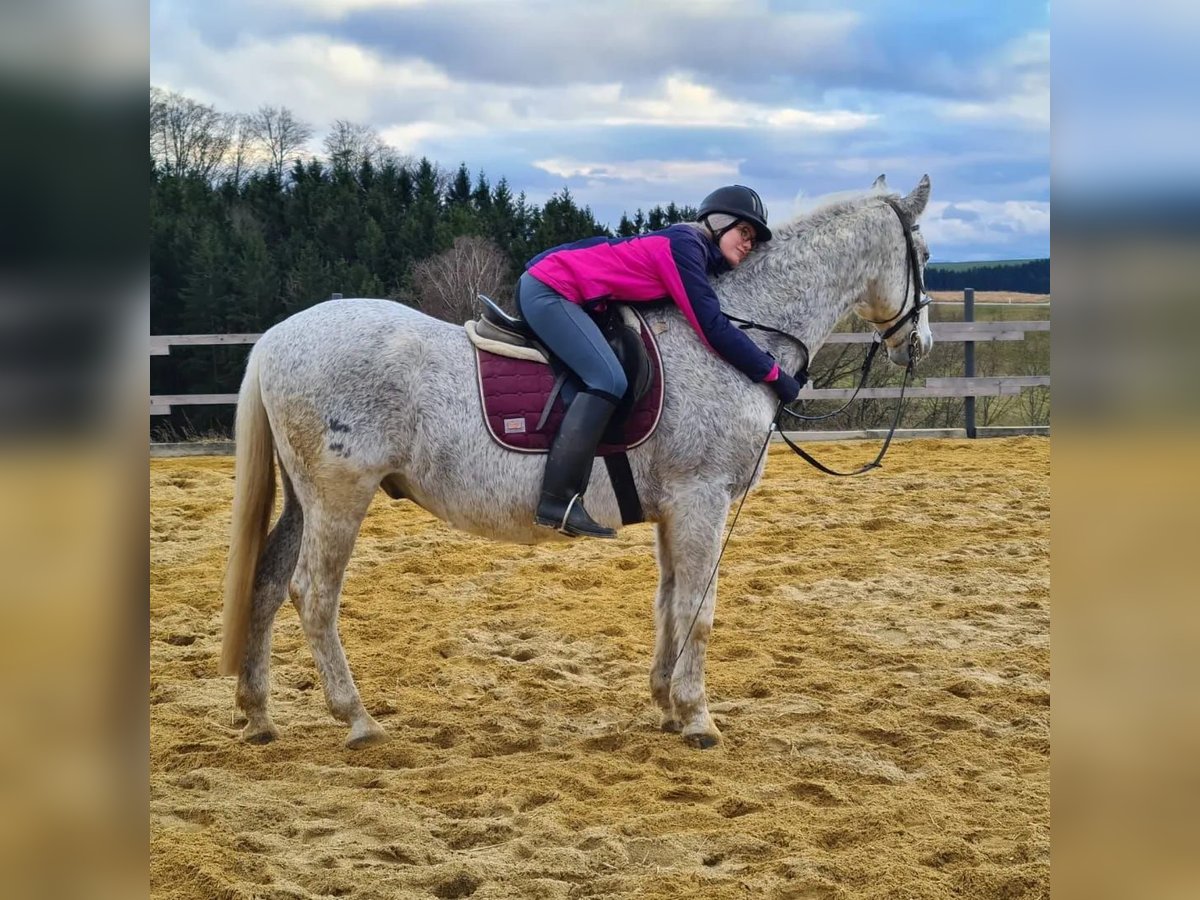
pixel 253 500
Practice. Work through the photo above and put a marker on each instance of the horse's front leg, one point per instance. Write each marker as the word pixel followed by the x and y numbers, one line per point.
pixel 664 630
pixel 694 531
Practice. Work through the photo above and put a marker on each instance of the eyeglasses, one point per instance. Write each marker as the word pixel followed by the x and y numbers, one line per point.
pixel 747 233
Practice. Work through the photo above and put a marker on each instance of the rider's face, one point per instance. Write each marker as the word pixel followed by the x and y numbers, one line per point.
pixel 736 243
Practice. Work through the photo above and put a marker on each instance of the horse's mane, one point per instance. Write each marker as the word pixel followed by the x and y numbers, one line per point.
pixel 812 212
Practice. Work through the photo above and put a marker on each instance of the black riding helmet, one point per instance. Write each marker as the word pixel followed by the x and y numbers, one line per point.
pixel 742 203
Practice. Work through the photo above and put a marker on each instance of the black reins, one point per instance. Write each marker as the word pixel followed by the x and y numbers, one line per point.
pixel 920 301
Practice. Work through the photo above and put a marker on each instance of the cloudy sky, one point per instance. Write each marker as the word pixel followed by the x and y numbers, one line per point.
pixel 635 103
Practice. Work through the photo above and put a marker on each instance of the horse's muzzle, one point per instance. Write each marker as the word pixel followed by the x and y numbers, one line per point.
pixel 915 348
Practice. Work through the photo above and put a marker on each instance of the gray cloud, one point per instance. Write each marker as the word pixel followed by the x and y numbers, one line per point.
pixel 962 215
pixel 748 52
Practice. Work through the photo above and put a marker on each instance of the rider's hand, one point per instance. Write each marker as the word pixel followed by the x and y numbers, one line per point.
pixel 785 386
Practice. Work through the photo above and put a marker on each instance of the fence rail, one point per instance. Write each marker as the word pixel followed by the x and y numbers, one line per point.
pixel 968 386
pixel 161 344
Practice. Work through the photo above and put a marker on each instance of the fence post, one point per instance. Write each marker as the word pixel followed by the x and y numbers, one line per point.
pixel 969 361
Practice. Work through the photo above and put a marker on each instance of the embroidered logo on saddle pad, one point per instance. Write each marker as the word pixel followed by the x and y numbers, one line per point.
pixel 514 394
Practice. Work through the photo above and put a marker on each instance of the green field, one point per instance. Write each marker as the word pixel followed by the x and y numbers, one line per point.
pixel 942 311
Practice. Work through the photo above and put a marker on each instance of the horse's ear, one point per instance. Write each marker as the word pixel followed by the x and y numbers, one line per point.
pixel 914 204
pixel 880 183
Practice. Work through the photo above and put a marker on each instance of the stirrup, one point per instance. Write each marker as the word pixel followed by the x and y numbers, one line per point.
pixel 562 526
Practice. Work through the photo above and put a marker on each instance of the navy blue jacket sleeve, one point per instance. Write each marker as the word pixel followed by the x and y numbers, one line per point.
pixel 729 341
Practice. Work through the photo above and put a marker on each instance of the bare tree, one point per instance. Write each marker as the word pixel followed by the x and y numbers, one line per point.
pixel 445 285
pixel 158 113
pixel 350 144
pixel 280 134
pixel 187 137
pixel 240 159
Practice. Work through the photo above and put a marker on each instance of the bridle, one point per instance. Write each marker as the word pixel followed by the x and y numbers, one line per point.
pixel 904 317
pixel 919 297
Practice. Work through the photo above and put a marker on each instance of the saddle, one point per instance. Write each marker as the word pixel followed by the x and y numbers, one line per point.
pixel 525 390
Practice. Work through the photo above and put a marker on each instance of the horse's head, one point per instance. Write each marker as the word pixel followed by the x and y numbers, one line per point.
pixel 897 304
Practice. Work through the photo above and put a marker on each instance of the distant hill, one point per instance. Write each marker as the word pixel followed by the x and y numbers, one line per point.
pixel 1027 276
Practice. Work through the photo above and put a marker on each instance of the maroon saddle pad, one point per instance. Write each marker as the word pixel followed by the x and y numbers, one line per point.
pixel 514 394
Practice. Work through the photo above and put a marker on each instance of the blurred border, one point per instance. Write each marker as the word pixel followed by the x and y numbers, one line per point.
pixel 1126 628
pixel 74 326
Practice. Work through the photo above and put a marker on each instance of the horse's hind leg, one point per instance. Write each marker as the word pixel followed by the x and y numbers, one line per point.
pixel 270 587
pixel 664 630
pixel 330 530
pixel 694 527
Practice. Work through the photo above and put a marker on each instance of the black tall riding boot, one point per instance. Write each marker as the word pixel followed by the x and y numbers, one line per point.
pixel 569 466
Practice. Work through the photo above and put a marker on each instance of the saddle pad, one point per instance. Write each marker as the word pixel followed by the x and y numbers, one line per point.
pixel 501 348
pixel 513 393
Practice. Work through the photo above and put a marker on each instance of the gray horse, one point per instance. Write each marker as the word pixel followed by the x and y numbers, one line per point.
pixel 355 395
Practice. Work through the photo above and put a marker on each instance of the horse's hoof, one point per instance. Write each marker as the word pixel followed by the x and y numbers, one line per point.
pixel 671 725
pixel 702 740
pixel 259 733
pixel 366 735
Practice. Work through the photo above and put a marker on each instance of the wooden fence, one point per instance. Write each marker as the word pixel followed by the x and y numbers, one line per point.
pixel 967 386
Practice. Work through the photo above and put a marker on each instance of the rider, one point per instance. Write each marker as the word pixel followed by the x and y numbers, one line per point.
pixel 674 263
